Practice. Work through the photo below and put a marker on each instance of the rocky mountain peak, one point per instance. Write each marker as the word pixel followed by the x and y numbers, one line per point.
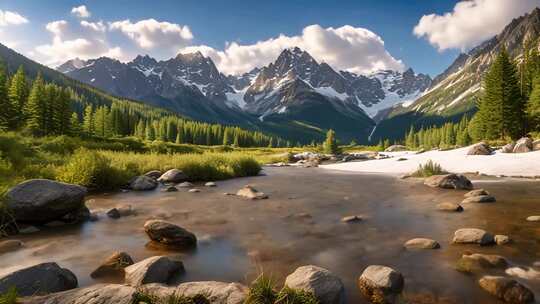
pixel 144 61
pixel 71 65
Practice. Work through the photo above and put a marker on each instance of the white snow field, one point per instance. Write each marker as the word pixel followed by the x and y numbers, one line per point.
pixel 456 161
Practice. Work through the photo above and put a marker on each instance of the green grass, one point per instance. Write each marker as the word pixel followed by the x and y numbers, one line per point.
pixel 428 169
pixel 10 297
pixel 143 296
pixel 263 291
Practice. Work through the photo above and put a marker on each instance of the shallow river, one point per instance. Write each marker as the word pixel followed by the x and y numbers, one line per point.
pixel 300 224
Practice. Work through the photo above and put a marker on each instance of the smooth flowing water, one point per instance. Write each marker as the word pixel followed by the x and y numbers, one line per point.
pixel 300 225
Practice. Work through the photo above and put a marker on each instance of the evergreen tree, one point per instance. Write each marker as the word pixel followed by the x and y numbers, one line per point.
pixel 34 108
pixel 330 144
pixel 533 106
pixel 75 124
pixel 6 111
pixel 18 94
pixel 88 120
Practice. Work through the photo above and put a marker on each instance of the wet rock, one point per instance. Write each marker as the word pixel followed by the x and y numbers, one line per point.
pixel 185 185
pixel 536 145
pixel 501 239
pixel 450 207
pixel 478 263
pixel 421 243
pixel 351 219
pixel 125 210
pixel 449 181
pixel 480 148
pixel 506 289
pixel 477 192
pixel 508 148
pixel 523 145
pixel 395 148
pixel 381 284
pixel 28 229
pixel 155 174
pixel 39 279
pixel 210 184
pixel 113 265
pixel 533 218
pixel 479 199
pixel 173 176
pixel 78 216
pixel 194 190
pixel 168 234
pixel 217 292
pixel 143 183
pixel 156 269
pixel 251 193
pixel 171 189
pixel 42 200
pixel 10 245
pixel 113 213
pixel 326 287
pixel 95 294
pixel 472 236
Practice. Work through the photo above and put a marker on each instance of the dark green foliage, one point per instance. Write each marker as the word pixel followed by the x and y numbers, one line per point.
pixel 10 297
pixel 18 94
pixel 446 136
pixel 501 109
pixel 142 296
pixel 428 169
pixel 6 112
pixel 533 106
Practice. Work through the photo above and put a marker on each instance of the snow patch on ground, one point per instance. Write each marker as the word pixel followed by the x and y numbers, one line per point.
pixel 457 161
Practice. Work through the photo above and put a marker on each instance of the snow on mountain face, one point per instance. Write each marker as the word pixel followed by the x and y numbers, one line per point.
pixel 71 65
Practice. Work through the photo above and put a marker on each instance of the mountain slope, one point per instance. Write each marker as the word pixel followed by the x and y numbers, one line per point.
pixel 454 92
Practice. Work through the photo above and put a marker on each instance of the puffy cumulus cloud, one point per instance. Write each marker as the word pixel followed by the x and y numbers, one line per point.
pixel 150 33
pixel 11 18
pixel 81 11
pixel 345 48
pixel 95 26
pixel 471 22
pixel 69 42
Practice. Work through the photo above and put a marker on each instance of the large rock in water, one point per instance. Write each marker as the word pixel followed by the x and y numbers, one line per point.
pixel 506 289
pixel 449 181
pixel 39 279
pixel 477 262
pixel 480 148
pixel 523 145
pixel 155 174
pixel 326 287
pixel 479 199
pixel 473 236
pixel 508 148
pixel 168 234
pixel 173 176
pixel 157 269
pixel 381 284
pixel 215 292
pixel 143 183
pixel 113 265
pixel 251 193
pixel 422 243
pixel 42 200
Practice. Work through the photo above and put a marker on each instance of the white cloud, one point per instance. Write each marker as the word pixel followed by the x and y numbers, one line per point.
pixel 150 33
pixel 11 18
pixel 345 48
pixel 69 42
pixel 471 22
pixel 81 11
pixel 96 26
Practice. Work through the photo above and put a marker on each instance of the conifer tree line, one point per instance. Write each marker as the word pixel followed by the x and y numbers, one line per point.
pixel 42 109
pixel 508 109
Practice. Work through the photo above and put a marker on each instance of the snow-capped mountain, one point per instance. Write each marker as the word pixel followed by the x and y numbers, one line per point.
pixel 71 65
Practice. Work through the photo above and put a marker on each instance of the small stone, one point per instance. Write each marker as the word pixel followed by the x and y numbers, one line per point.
pixel 351 219
pixel 476 192
pixel 473 236
pixel 113 265
pixel 451 207
pixel 38 279
pixel 501 239
pixel 169 234
pixel 479 199
pixel 10 245
pixel 185 185
pixel 210 184
pixel 157 269
pixel 506 289
pixel 325 286
pixel 381 284
pixel 170 189
pixel 251 193
pixel 194 190
pixel 449 181
pixel 422 243
pixel 113 213
pixel 173 176
pixel 533 218
pixel 477 263
pixel 155 174
pixel 142 183
pixel 125 210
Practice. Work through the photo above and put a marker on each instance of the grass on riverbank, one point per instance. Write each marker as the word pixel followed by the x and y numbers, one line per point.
pixel 263 291
pixel 142 296
pixel 428 169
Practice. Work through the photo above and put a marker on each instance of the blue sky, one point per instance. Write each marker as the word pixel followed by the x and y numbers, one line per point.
pixel 189 25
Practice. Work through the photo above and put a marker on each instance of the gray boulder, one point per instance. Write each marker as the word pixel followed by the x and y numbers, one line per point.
pixel 39 279
pixel 536 145
pixel 506 289
pixel 210 184
pixel 173 176
pixel 216 292
pixel 155 174
pixel 421 243
pixel 381 284
pixel 449 181
pixel 326 287
pixel 523 145
pixel 95 294
pixel 477 263
pixel 480 148
pixel 251 193
pixel 143 183
pixel 476 192
pixel 479 199
pixel 42 200
pixel 156 269
pixel 113 265
pixel 508 148
pixel 168 234
pixel 473 236
pixel 449 207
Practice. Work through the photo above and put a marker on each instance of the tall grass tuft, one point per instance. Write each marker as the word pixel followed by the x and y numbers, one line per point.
pixel 10 297
pixel 428 169
pixel 294 296
pixel 143 296
pixel 263 291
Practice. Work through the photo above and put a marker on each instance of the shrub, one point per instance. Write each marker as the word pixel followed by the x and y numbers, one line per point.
pixel 61 145
pixel 10 297
pixel 294 296
pixel 90 169
pixel 428 169
pixel 263 291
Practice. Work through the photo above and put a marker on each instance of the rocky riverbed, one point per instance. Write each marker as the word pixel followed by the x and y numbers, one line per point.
pixel 301 223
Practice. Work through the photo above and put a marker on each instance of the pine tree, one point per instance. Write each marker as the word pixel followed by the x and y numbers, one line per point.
pixel 18 94
pixel 330 144
pixel 88 120
pixel 533 106
pixel 5 104
pixel 34 108
pixel 74 124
